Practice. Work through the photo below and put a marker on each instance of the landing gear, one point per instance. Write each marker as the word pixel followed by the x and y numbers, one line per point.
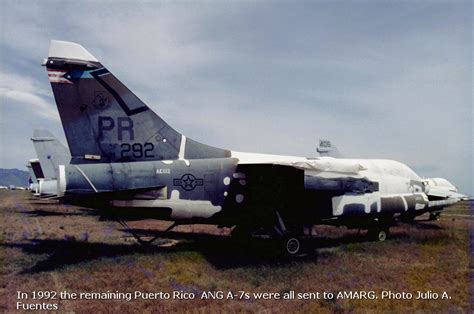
pixel 378 234
pixel 140 239
pixel 290 242
pixel 241 234
pixel 280 236
pixel 434 216
pixel 292 245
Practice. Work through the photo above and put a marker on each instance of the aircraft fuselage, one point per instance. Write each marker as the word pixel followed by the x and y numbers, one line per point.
pixel 222 191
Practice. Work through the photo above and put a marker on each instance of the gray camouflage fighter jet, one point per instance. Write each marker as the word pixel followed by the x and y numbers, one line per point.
pixel 128 161
pixel 32 179
pixel 36 175
pixel 51 153
pixel 326 149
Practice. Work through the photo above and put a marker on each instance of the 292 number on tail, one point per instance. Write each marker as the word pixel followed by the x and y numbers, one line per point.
pixel 136 150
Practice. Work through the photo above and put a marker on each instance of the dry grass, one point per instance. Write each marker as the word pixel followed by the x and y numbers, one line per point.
pixel 46 246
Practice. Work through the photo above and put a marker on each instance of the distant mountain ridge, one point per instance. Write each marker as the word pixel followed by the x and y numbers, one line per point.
pixel 14 177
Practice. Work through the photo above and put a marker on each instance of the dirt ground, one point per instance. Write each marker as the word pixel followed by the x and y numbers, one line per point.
pixel 50 247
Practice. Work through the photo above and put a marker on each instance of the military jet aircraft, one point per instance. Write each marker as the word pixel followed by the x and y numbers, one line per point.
pixel 51 153
pixel 327 149
pixel 36 175
pixel 32 179
pixel 126 160
pixel 441 193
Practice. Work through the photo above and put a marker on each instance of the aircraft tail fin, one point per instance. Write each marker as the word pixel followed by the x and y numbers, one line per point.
pixel 104 121
pixel 32 173
pixel 326 149
pixel 36 166
pixel 51 153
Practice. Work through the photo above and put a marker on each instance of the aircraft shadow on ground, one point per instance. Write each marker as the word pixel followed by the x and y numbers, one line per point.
pixel 35 201
pixel 69 252
pixel 47 213
pixel 424 224
pixel 220 250
pixel 224 252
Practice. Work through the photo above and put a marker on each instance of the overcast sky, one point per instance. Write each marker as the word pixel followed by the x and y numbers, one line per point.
pixel 381 79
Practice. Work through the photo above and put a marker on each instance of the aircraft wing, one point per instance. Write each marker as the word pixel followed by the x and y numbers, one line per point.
pixel 325 165
pixel 320 164
pixel 322 173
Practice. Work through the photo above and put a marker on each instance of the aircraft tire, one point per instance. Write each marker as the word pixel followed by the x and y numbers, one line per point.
pixel 434 217
pixel 378 234
pixel 291 245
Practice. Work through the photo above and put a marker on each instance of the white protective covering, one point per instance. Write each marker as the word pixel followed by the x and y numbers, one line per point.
pixel 69 50
pixel 326 164
pixel 255 158
pixel 322 164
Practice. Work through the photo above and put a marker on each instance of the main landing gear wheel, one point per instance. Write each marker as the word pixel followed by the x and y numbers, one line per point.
pixel 379 234
pixel 434 216
pixel 292 245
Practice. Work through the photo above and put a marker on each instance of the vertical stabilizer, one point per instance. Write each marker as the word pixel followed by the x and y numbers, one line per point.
pixel 327 149
pixel 37 170
pixel 32 173
pixel 104 121
pixel 51 153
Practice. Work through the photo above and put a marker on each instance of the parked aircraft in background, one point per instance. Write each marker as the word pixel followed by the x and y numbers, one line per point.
pixel 51 153
pixel 441 192
pixel 33 182
pixel 128 161
pixel 326 149
pixel 36 174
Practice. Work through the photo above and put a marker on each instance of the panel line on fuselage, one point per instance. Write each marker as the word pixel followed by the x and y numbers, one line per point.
pixel 86 177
